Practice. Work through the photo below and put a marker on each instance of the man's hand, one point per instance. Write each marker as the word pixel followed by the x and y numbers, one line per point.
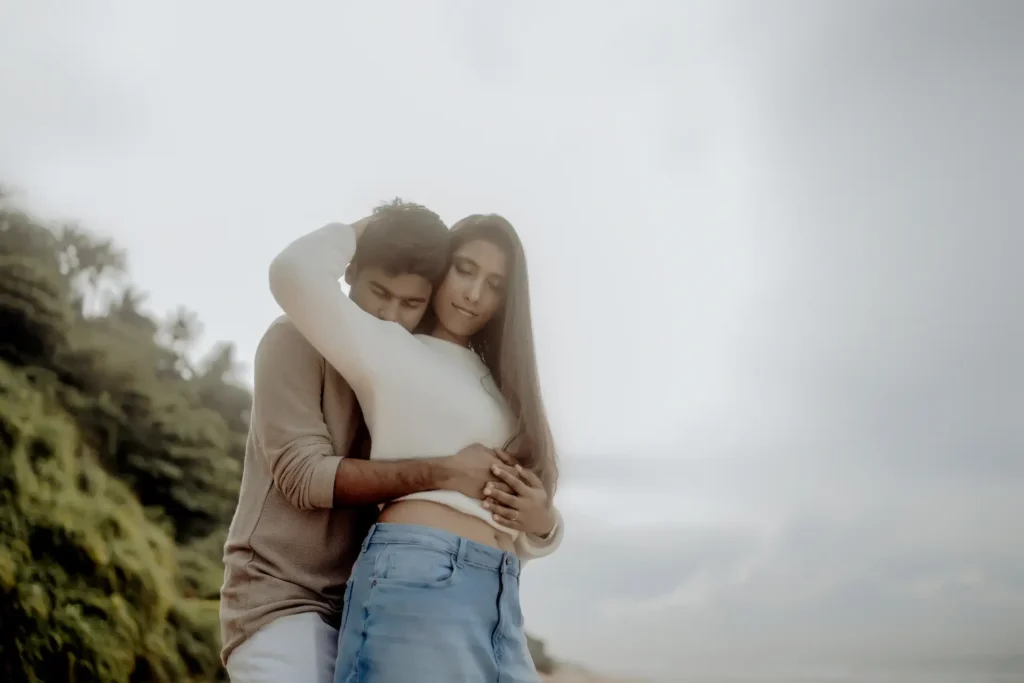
pixel 468 470
pixel 527 506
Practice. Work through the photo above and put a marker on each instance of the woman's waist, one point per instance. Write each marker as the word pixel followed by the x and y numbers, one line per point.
pixel 452 512
pixel 408 539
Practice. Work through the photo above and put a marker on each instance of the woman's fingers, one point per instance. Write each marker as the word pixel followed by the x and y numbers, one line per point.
pixel 506 499
pixel 502 515
pixel 497 486
pixel 507 522
pixel 508 475
pixel 529 477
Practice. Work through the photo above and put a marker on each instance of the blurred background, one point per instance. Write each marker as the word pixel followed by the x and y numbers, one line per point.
pixel 774 250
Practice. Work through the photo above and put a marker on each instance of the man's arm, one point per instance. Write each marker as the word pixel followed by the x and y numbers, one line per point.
pixel 288 424
pixel 365 482
pixel 360 482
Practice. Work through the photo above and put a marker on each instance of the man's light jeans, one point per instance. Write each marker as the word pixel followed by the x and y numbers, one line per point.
pixel 299 648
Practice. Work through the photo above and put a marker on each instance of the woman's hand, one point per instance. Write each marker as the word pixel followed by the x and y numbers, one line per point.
pixel 527 508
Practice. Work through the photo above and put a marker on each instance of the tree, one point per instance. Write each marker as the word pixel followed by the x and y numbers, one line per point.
pixel 34 312
pixel 94 269
pixel 108 458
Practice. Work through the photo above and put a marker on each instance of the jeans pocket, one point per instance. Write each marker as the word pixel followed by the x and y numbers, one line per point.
pixel 415 565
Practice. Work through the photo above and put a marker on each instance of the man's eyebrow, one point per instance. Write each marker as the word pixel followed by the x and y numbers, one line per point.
pixel 390 292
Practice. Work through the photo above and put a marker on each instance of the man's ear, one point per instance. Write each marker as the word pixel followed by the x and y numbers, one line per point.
pixel 350 274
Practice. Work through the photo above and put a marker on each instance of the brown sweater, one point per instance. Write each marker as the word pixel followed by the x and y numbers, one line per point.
pixel 288 551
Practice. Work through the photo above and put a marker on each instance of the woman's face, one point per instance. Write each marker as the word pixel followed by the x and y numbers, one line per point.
pixel 474 289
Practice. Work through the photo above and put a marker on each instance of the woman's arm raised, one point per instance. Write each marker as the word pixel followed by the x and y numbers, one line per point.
pixel 304 279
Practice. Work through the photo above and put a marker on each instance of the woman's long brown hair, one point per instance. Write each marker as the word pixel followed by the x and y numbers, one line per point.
pixel 506 345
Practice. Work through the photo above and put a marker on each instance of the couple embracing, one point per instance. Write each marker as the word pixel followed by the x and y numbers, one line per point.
pixel 399 468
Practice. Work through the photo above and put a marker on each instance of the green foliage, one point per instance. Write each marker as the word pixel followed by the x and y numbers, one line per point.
pixel 151 420
pixel 119 471
pixel 89 585
pixel 120 461
pixel 34 313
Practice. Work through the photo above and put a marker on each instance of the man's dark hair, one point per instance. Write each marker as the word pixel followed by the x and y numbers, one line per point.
pixel 403 237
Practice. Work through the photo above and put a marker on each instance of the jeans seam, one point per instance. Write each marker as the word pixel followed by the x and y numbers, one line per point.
pixel 355 672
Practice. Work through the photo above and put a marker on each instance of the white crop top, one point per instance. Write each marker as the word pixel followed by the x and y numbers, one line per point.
pixel 421 396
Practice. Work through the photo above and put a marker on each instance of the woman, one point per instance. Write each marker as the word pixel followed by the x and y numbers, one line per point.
pixel 435 591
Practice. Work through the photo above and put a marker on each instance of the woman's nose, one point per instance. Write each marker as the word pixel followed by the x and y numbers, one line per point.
pixel 472 292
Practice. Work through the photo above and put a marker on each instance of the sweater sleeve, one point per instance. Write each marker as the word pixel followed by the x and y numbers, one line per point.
pixel 304 281
pixel 530 547
pixel 287 421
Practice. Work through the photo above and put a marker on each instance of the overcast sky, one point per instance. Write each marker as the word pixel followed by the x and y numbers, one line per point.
pixel 772 247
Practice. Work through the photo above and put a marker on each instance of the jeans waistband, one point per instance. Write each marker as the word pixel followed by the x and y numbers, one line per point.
pixel 465 550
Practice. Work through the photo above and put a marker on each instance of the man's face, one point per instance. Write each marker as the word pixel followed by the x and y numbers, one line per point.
pixel 402 299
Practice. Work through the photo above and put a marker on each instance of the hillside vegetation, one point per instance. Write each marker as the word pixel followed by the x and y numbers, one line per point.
pixel 119 469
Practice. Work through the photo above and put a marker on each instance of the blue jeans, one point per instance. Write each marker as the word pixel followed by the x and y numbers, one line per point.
pixel 428 606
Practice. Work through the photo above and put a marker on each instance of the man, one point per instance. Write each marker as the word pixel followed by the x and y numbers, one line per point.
pixel 304 507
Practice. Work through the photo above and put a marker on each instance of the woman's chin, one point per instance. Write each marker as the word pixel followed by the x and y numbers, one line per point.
pixel 460 328
pixel 463 331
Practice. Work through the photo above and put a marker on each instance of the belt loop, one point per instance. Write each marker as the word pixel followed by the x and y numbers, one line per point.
pixel 460 554
pixel 369 535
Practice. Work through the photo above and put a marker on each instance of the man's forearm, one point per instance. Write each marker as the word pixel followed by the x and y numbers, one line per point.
pixel 372 482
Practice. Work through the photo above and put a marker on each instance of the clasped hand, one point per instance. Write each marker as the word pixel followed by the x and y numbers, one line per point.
pixel 522 503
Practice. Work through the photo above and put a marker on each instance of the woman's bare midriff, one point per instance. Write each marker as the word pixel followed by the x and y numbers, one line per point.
pixel 438 516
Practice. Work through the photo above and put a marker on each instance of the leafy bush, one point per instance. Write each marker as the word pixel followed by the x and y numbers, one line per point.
pixel 88 583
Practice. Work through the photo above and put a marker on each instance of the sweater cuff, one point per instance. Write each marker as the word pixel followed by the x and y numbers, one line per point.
pixel 321 483
pixel 534 547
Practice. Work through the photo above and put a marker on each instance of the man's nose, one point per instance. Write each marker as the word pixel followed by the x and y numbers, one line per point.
pixel 389 312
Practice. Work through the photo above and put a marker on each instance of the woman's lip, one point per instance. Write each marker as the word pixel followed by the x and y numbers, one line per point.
pixel 464 311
